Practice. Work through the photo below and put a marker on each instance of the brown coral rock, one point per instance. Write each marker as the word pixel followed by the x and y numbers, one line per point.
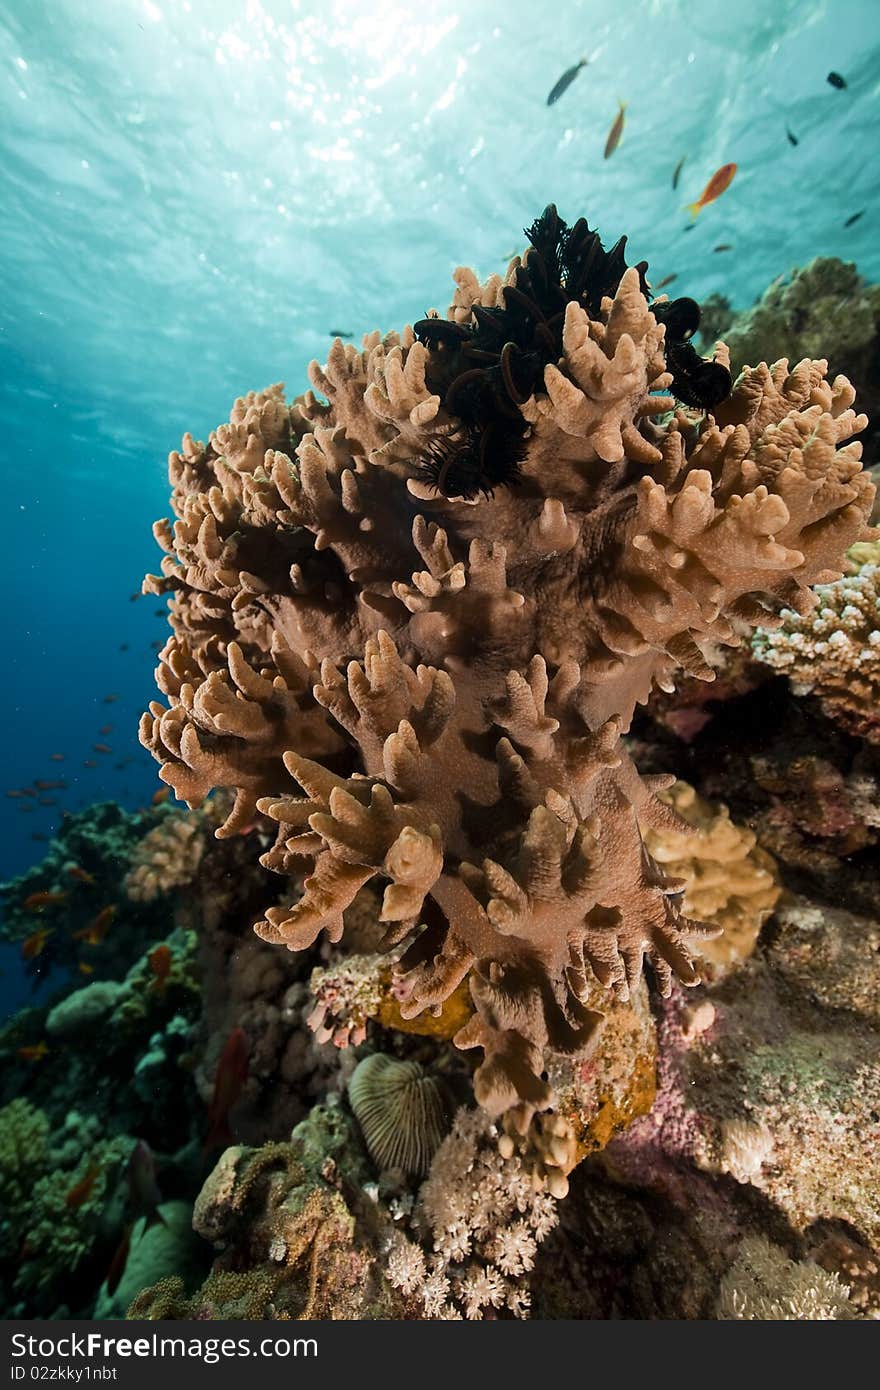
pixel 428 691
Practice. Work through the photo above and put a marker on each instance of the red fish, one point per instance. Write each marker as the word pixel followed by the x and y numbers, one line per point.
pixel 57 757
pixel 89 762
pixel 160 964
pixel 720 180
pixel 102 748
pixel 81 875
pixel 229 1079
pixel 35 1052
pixel 94 933
pixel 105 729
pixel 51 784
pixel 110 699
pixel 34 902
pixel 158 798
pixel 82 1190
pixel 616 131
pixel 35 944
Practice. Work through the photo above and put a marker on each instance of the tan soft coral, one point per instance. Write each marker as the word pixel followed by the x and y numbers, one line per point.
pixel 428 690
pixel 729 880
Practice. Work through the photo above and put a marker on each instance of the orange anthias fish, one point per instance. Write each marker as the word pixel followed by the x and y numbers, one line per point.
pixel 102 748
pixel 35 944
pixel 720 180
pixel 34 1052
pixel 83 1189
pixel 81 875
pixel 616 131
pixel 160 796
pixel 84 968
pixel 57 757
pixel 34 902
pixel 231 1074
pixel 120 1260
pixel 160 964
pixel 94 933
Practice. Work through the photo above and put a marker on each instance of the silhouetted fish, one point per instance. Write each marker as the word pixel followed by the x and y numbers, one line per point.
pixel 836 80
pixel 677 174
pixel 854 218
pixel 565 81
pixel 792 139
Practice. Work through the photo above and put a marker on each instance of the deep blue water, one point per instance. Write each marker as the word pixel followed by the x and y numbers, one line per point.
pixel 196 192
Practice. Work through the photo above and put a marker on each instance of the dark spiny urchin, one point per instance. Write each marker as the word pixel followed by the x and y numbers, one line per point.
pixel 483 371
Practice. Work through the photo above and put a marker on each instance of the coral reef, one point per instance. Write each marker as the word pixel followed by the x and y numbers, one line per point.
pixel 834 652
pixel 764 1284
pixel 166 858
pixel 729 880
pixel 299 1237
pixel 824 309
pixel 432 601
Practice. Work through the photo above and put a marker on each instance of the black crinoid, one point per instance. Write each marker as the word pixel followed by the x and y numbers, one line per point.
pixel 484 370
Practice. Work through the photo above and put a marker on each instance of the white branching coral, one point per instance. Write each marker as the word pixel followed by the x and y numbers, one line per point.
pixel 763 1284
pixel 484 1221
pixel 834 651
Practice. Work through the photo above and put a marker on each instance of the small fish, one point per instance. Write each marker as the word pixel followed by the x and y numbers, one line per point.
pixel 161 613
pixel 105 729
pixel 677 174
pixel 38 835
pixel 102 748
pixel 110 699
pixel 89 762
pixel 154 646
pixel 34 1052
pixel 161 796
pixel 82 1190
pixel 84 968
pixel 792 139
pixel 159 961
pixel 723 246
pixel 667 280
pixel 836 80
pixel 334 333
pixel 50 784
pixel 81 875
pixel 565 81
pixel 854 218
pixel 720 180
pixel 133 598
pixel 35 902
pixel 123 646
pixel 229 1079
pixel 35 944
pixel 15 792
pixel 28 791
pixel 93 934
pixel 48 801
pixel 616 131
pixel 119 1261
pixel 57 757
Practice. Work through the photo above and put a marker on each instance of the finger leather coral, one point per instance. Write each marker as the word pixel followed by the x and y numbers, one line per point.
pixel 413 615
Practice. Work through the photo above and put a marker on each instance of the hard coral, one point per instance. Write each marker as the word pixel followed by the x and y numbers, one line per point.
pixel 834 652
pixel 729 880
pixel 446 675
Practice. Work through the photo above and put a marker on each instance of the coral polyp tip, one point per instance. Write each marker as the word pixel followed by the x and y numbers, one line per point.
pixel 421 675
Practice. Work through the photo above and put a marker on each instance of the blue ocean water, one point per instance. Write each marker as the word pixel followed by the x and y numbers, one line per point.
pixel 197 193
